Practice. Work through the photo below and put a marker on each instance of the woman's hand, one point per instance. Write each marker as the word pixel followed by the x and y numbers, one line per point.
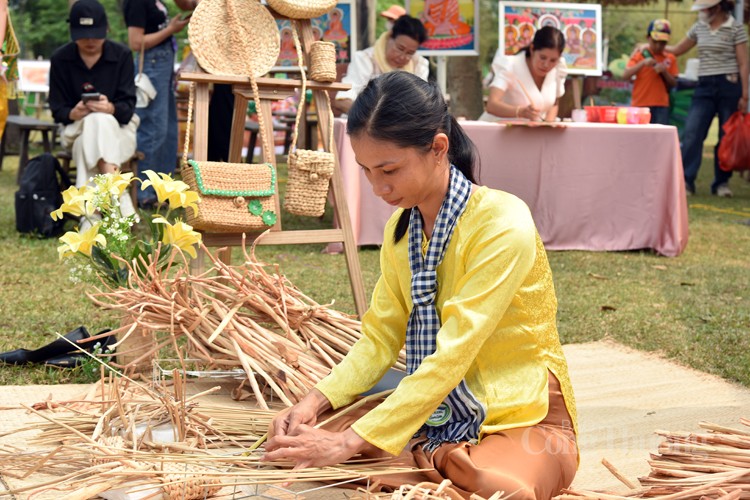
pixel 305 412
pixel 79 112
pixel 177 23
pixel 311 447
pixel 529 112
pixel 102 105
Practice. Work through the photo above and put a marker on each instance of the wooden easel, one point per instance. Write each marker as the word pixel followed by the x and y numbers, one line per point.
pixel 271 89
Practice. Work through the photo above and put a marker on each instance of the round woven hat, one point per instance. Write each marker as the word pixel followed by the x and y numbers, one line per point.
pixel 234 37
pixel 302 9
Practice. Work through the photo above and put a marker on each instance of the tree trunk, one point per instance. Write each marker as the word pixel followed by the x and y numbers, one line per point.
pixel 465 87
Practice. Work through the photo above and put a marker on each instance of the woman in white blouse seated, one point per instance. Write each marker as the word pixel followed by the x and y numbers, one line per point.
pixel 394 50
pixel 529 84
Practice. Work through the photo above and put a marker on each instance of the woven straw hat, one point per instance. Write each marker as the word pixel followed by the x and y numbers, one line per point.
pixel 302 9
pixel 234 37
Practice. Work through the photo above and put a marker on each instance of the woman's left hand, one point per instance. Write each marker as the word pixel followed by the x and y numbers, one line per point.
pixel 742 104
pixel 311 447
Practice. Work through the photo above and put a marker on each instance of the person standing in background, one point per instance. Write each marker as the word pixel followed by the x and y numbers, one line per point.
pixel 722 85
pixel 655 72
pixel 9 67
pixel 150 29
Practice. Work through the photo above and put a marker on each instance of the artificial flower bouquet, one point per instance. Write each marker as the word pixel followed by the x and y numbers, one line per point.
pixel 108 244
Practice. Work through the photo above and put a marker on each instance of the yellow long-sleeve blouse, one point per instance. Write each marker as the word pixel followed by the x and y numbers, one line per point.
pixel 497 306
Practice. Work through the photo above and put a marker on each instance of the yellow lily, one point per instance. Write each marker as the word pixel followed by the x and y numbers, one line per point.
pixel 160 182
pixel 116 183
pixel 184 199
pixel 75 242
pixel 180 235
pixel 75 202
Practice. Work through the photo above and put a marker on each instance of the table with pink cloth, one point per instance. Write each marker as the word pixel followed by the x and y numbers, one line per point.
pixel 590 186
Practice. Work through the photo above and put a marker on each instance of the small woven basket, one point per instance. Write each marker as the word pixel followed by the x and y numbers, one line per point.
pixel 302 9
pixel 187 482
pixel 309 171
pixel 307 188
pixel 323 61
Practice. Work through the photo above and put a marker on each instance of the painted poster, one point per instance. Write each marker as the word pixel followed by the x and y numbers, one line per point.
pixel 33 76
pixel 337 26
pixel 580 23
pixel 452 26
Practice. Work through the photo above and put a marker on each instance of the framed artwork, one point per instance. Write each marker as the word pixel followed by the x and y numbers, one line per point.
pixel 581 24
pixel 33 76
pixel 339 26
pixel 452 26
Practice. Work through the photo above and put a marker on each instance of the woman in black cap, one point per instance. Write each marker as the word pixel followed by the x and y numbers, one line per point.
pixel 91 92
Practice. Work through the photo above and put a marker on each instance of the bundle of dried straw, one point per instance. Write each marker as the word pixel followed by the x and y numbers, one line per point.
pixel 238 316
pixel 691 465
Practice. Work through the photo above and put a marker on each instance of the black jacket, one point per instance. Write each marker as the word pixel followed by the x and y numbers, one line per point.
pixel 112 75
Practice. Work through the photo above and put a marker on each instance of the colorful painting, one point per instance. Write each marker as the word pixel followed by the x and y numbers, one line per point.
pixel 33 76
pixel 452 26
pixel 337 26
pixel 580 23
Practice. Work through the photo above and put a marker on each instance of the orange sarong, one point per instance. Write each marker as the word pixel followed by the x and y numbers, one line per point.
pixel 530 462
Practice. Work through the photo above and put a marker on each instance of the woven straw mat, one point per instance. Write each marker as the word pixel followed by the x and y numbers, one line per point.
pixel 234 37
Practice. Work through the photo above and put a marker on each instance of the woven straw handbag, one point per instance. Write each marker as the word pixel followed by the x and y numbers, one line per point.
pixel 234 37
pixel 309 171
pixel 235 197
pixel 302 9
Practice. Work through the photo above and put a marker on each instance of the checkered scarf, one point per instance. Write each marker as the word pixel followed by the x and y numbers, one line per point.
pixel 459 416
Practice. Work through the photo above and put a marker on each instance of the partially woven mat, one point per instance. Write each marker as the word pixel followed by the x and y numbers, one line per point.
pixel 623 397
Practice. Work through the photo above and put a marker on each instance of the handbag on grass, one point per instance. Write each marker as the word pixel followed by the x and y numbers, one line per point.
pixel 309 171
pixel 235 197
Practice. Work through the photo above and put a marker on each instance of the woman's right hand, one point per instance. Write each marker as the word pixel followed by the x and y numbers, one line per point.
pixel 529 112
pixel 305 412
pixel 79 111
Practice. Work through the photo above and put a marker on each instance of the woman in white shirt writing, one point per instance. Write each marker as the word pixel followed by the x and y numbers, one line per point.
pixel 529 84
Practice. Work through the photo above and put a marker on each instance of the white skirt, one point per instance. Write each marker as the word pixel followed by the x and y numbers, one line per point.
pixel 99 136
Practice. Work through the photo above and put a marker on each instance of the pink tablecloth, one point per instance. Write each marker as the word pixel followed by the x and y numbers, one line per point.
pixel 589 186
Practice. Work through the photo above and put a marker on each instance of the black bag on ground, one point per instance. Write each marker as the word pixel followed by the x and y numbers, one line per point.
pixel 39 194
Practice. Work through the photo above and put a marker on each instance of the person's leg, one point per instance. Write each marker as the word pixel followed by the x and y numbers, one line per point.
pixel 729 94
pixel 660 115
pixel 532 463
pixel 167 157
pixel 701 113
pixel 220 111
pixel 152 131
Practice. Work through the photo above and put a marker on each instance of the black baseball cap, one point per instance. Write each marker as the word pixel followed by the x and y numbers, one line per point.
pixel 88 19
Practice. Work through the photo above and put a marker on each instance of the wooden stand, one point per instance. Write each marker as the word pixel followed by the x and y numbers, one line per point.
pixel 273 89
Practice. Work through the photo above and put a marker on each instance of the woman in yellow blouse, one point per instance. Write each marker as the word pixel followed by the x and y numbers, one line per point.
pixel 467 289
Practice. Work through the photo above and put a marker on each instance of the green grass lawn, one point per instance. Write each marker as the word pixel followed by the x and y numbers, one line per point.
pixel 692 308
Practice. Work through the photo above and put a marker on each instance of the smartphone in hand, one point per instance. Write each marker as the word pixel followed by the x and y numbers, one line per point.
pixel 90 96
pixel 186 15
